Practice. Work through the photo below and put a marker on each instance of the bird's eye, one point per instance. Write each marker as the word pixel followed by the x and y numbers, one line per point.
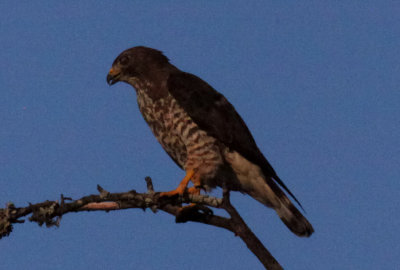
pixel 124 60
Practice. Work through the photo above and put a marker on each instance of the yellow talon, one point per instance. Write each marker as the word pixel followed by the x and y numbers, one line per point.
pixel 182 186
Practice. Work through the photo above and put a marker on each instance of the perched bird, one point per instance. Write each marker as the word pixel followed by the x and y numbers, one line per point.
pixel 202 132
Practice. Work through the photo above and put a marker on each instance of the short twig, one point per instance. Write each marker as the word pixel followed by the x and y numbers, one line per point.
pixel 50 213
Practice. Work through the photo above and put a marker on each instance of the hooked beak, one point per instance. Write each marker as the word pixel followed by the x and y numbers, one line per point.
pixel 113 76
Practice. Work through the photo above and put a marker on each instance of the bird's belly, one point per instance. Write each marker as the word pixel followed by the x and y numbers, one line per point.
pixel 182 139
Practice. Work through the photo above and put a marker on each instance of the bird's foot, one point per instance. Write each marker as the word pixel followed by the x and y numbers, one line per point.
pixel 182 186
pixel 180 191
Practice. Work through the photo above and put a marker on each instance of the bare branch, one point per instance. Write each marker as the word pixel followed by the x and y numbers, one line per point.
pixel 199 210
pixel 243 231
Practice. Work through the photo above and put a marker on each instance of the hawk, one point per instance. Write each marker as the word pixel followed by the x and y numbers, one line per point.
pixel 202 132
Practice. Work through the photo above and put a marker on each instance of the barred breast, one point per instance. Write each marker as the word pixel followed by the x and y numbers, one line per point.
pixel 181 138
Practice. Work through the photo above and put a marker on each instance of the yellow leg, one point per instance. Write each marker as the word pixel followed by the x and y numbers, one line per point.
pixel 194 190
pixel 182 186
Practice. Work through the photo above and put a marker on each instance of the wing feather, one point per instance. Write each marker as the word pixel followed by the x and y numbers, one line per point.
pixel 213 113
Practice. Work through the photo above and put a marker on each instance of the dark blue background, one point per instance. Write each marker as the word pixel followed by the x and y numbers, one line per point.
pixel 316 82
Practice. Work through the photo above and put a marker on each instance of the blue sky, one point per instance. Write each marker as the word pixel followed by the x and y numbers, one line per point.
pixel 317 83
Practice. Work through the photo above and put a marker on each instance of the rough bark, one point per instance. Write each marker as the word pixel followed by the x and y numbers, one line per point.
pixel 51 212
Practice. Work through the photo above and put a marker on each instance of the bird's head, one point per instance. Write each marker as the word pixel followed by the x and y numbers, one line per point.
pixel 136 64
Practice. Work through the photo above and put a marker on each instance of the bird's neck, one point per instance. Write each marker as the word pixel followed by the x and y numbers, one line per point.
pixel 153 85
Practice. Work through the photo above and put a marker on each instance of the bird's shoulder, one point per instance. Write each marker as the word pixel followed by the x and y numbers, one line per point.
pixel 214 114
